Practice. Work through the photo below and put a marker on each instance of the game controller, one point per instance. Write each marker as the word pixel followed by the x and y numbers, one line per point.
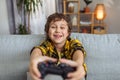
pixel 51 68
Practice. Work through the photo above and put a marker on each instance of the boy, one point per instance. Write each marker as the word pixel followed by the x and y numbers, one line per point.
pixel 59 45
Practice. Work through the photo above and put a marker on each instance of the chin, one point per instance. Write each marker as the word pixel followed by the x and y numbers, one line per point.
pixel 57 42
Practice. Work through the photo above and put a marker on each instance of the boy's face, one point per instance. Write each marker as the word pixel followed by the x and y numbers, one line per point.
pixel 58 31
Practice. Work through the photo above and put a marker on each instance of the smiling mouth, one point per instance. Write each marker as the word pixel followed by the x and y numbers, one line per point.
pixel 57 36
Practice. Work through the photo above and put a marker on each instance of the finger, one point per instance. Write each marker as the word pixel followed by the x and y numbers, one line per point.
pixel 34 68
pixel 36 71
pixel 33 76
pixel 77 75
pixel 72 76
pixel 69 62
pixel 45 58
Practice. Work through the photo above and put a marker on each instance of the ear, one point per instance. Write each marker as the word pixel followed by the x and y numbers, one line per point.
pixel 69 33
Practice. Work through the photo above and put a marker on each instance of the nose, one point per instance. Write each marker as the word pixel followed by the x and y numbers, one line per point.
pixel 57 29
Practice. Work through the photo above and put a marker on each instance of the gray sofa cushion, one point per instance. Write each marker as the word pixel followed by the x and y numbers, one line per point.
pixel 15 54
pixel 103 55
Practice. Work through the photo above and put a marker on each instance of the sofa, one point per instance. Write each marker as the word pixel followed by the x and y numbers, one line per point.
pixel 103 55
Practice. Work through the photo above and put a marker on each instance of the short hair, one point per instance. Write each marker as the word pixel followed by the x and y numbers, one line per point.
pixel 57 17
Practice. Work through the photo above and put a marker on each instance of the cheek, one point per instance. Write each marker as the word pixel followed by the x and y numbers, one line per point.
pixel 50 32
pixel 66 32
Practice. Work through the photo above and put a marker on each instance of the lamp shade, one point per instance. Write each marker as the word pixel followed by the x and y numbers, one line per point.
pixel 100 12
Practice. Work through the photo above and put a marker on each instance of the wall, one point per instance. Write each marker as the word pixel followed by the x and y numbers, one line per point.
pixel 112 20
pixel 112 9
pixel 4 26
pixel 38 19
pixel 50 7
pixel 6 21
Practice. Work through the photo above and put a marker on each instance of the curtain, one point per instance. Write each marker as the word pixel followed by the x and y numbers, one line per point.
pixel 38 20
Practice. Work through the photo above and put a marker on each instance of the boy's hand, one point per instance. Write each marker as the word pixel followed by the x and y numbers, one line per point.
pixel 78 74
pixel 35 74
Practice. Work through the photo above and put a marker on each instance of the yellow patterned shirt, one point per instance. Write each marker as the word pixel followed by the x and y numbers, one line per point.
pixel 67 52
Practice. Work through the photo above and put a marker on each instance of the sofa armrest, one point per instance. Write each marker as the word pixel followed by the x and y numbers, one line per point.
pixel 48 77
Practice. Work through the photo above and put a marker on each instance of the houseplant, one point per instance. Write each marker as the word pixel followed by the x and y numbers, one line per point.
pixel 22 29
pixel 28 6
pixel 87 2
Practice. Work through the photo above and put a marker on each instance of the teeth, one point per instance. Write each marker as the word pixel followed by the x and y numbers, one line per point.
pixel 57 36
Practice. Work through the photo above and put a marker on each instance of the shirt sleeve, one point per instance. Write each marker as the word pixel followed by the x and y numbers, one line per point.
pixel 42 47
pixel 77 45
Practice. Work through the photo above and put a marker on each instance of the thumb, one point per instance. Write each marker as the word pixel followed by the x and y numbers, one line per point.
pixel 69 62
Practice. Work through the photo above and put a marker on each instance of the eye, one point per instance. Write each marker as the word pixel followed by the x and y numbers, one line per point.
pixel 62 27
pixel 53 26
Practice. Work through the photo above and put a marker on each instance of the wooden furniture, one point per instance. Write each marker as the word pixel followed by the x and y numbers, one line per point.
pixel 74 13
pixel 82 22
pixel 88 24
pixel 99 28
